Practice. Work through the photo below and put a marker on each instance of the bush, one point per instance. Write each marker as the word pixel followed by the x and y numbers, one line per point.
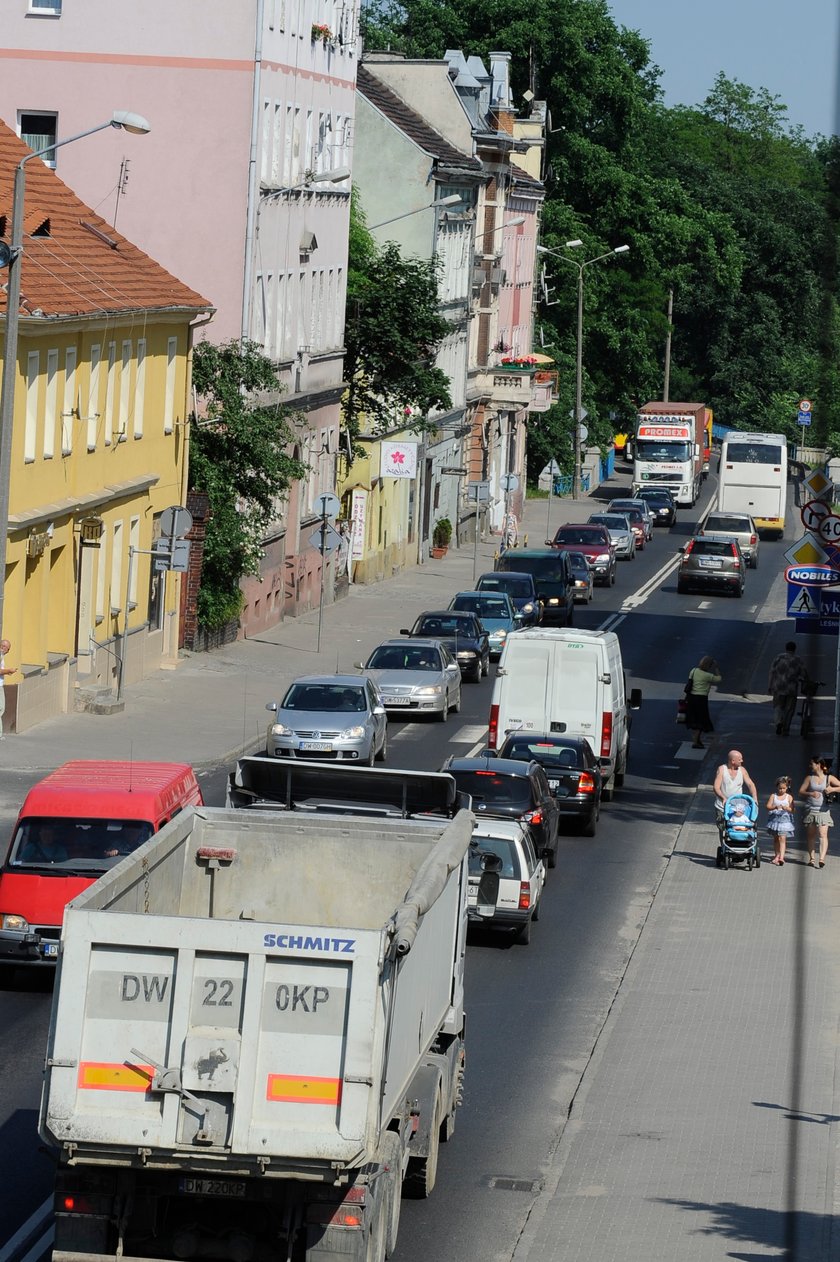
pixel 442 533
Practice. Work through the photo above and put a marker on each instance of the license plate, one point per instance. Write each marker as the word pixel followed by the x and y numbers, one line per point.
pixel 212 1187
pixel 559 790
pixel 50 950
pixel 397 701
pixel 710 563
pixel 319 745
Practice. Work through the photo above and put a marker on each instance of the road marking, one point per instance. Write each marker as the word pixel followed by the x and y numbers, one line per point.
pixel 467 735
pixel 41 1247
pixel 641 594
pixel 23 1234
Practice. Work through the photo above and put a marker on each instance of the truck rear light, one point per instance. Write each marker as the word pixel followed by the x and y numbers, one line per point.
pixel 586 783
pixel 524 896
pixel 350 1212
pixel 493 734
pixel 72 1203
pixel 606 733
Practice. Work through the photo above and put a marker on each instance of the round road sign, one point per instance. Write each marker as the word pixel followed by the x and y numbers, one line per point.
pixel 804 405
pixel 813 513
pixel 829 529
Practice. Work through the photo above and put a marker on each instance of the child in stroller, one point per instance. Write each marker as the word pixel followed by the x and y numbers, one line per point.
pixel 738 833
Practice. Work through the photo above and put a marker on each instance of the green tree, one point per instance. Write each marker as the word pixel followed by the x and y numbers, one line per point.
pixel 239 458
pixel 393 329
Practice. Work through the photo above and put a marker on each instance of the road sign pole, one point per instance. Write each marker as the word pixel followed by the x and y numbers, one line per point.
pixel 323 564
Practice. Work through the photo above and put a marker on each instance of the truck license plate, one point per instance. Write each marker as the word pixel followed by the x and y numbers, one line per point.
pixel 50 950
pixel 212 1187
pixel 319 745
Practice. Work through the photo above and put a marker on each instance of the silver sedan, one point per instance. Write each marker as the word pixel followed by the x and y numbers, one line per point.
pixel 621 533
pixel 416 676
pixel 337 718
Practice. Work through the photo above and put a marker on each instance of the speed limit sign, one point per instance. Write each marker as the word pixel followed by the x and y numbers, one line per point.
pixel 804 405
pixel 829 529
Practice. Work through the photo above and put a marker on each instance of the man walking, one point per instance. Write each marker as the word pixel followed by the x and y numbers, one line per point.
pixel 787 677
pixel 5 670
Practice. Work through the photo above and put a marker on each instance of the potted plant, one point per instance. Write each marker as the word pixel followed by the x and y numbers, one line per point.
pixel 320 31
pixel 441 536
pixel 520 363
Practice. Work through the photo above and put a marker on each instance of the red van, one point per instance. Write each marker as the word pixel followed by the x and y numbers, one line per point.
pixel 75 824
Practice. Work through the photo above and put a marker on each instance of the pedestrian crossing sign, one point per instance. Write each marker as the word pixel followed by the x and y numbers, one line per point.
pixel 803 602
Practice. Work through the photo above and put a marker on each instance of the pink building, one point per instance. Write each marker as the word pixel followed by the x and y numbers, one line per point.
pixel 241 189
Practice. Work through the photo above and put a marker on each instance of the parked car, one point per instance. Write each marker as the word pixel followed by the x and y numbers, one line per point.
pixel 339 718
pixel 621 533
pixel 508 789
pixel 661 503
pixel 628 505
pixel 495 612
pixel 712 561
pixel 416 677
pixel 520 586
pixel 463 635
pixel 508 846
pixel 741 527
pixel 595 544
pixel 584 583
pixel 573 771
pixel 553 580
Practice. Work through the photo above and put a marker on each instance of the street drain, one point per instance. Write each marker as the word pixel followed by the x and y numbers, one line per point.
pixel 515 1185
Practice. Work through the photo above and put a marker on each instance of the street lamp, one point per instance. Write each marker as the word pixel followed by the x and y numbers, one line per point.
pixel 449 200
pixel 509 223
pixel 11 257
pixel 573 245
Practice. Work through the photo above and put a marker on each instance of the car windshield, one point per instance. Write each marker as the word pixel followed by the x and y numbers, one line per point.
pixel 613 521
pixel 580 534
pixel 721 522
pixel 496 789
pixel 502 847
pixel 324 698
pixel 655 497
pixel 547 753
pixel 484 606
pixel 516 588
pixel 70 844
pixel 409 657
pixel 441 624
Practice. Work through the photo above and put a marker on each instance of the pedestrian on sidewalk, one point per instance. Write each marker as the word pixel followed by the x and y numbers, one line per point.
pixel 814 789
pixel 780 820
pixel 5 647
pixel 787 678
pixel 697 717
pixel 732 777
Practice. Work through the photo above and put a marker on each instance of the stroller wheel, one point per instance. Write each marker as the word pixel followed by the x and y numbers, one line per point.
pixel 727 861
pixel 719 857
pixel 758 858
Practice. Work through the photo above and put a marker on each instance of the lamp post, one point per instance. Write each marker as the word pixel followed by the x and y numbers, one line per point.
pixel 11 256
pixel 581 267
pixel 449 200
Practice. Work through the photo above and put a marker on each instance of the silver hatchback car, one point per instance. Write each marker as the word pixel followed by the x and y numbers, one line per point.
pixel 336 718
pixel 741 526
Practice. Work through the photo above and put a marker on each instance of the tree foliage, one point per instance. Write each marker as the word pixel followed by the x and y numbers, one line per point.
pixel 239 458
pixel 723 204
pixel 393 330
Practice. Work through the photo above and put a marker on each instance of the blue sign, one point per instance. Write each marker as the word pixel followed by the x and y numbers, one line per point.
pixel 829 605
pixel 815 626
pixel 811 576
pixel 803 602
pixel 804 418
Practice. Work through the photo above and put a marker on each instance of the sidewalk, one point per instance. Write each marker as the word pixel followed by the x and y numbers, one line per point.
pixel 211 708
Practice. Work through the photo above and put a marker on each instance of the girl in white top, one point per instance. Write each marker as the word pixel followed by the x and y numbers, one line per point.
pixel 780 819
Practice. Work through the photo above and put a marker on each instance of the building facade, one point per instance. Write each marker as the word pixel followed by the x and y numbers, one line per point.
pixel 242 189
pixel 99 448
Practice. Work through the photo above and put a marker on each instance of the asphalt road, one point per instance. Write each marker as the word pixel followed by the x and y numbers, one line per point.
pixel 534 1013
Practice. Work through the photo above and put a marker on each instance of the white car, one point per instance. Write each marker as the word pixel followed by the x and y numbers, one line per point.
pixel 621 533
pixel 506 845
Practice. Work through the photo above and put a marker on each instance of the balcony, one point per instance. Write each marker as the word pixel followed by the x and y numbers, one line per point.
pixel 543 391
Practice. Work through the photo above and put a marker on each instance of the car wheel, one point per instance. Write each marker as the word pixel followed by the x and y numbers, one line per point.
pixel 739 591
pixel 455 706
pixel 633 555
pixel 486 667
pixel 523 934
pixel 476 673
pixel 371 758
pixel 612 577
pixel 551 856
pixel 570 617
pixel 383 752
pixel 608 791
pixel 536 912
pixel 443 713
pixel 682 588
pixel 754 561
pixel 590 825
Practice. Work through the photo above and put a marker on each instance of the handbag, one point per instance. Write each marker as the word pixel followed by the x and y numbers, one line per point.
pixel 681 709
pixel 689 687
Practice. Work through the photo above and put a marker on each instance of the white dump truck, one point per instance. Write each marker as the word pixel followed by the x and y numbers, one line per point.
pixel 257 1037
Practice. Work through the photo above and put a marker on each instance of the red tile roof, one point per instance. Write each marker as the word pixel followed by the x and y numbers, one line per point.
pixel 77 264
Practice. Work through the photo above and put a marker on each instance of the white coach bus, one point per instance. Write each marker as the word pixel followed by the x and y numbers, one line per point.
pixel 753 478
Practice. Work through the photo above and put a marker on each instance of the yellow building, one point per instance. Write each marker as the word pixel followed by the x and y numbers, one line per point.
pixel 101 402
pixel 379 509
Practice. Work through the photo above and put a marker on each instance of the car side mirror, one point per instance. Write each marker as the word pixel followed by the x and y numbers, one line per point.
pixel 359 665
pixel 404 631
pixel 379 709
pixel 549 542
pixel 635 698
pixel 272 705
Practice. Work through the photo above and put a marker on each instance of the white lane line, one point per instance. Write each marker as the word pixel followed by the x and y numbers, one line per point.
pixel 641 594
pixel 41 1246
pixel 468 735
pixel 33 1223
pixel 477 748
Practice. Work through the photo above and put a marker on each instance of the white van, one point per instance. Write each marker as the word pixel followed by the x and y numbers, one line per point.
pixel 560 680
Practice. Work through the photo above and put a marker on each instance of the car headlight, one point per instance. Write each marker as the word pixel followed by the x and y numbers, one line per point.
pixel 502 634
pixel 432 691
pixel 529 608
pixel 554 600
pixel 467 653
pixel 353 733
pixel 603 556
pixel 9 920
pixel 279 729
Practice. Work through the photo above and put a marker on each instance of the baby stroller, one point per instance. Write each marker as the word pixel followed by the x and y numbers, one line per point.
pixel 738 833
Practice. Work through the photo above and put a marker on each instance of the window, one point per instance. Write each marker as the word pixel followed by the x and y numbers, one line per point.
pixel 109 392
pixel 100 576
pixel 116 568
pixel 140 388
pixel 169 403
pixel 70 408
pixel 33 370
pixel 93 395
pixel 133 542
pixel 39 130
pixel 125 382
pixel 157 580
pixel 46 8
pixel 50 405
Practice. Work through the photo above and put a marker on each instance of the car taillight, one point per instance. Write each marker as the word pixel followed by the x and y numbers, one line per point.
pixel 606 733
pixel 586 783
pixel 734 550
pixel 753 539
pixel 493 735
pixel 524 896
pixel 688 547
pixel 533 817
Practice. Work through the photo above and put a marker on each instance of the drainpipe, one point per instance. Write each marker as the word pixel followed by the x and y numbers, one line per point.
pixel 251 214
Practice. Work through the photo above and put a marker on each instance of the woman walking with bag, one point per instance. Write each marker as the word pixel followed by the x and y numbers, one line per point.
pixel 700 680
pixel 814 789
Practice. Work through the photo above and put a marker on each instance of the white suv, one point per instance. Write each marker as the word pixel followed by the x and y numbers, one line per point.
pixel 508 846
pixel 741 527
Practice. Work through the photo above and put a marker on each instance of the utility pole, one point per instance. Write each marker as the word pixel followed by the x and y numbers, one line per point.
pixel 666 385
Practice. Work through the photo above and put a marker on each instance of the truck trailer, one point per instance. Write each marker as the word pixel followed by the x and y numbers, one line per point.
pixel 257 1035
pixel 672 448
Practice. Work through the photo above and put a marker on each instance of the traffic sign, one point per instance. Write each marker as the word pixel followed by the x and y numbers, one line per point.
pixel 812 576
pixel 176 557
pixel 326 540
pixel 804 418
pixel 478 492
pixel 583 434
pixel 176 522
pixel 818 484
pixel 803 602
pixel 807 551
pixel 812 514
pixel 327 505
pixel 510 482
pixel 804 405
pixel 829 529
